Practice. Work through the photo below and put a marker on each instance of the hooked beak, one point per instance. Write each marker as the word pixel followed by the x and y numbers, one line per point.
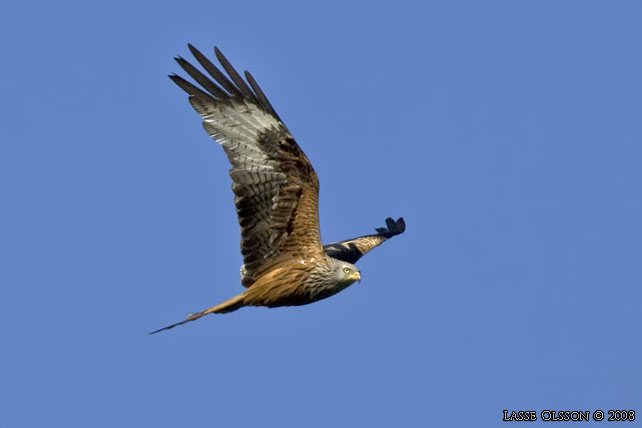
pixel 355 276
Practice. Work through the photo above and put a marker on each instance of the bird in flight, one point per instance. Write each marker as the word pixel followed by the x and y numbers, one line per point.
pixel 276 193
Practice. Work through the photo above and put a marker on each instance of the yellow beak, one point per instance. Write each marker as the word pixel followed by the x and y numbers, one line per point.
pixel 355 276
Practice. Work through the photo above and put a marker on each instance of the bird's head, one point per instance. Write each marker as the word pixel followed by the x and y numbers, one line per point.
pixel 347 273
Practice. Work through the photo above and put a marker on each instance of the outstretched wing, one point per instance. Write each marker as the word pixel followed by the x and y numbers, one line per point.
pixel 352 250
pixel 275 187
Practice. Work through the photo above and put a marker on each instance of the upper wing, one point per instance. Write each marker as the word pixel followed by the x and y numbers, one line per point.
pixel 276 189
pixel 352 250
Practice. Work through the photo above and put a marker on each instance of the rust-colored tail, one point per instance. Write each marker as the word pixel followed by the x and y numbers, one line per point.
pixel 227 306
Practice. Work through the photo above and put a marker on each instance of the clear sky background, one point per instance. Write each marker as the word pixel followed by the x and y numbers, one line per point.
pixel 507 133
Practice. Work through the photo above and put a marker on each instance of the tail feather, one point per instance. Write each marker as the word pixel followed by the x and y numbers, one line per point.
pixel 227 306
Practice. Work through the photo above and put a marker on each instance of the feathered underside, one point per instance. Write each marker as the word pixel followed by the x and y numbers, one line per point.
pixel 276 197
pixel 276 188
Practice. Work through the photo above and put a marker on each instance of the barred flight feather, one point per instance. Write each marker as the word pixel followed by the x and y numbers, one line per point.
pixel 275 186
pixel 276 196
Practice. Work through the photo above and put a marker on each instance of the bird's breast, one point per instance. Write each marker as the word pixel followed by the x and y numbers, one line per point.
pixel 303 281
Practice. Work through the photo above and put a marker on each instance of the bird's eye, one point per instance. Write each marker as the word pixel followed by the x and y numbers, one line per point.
pixel 346 270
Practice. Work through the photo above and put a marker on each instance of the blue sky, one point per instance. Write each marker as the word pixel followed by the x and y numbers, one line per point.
pixel 507 134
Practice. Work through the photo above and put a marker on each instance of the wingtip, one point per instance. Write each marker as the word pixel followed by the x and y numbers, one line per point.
pixel 392 227
pixel 222 59
pixel 193 50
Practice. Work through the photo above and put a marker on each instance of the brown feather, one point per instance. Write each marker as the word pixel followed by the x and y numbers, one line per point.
pixel 276 195
pixel 283 284
pixel 275 186
pixel 229 305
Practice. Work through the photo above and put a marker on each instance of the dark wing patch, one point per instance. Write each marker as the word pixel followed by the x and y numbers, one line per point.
pixel 352 250
pixel 275 186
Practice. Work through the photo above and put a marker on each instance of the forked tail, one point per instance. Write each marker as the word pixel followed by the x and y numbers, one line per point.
pixel 227 306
